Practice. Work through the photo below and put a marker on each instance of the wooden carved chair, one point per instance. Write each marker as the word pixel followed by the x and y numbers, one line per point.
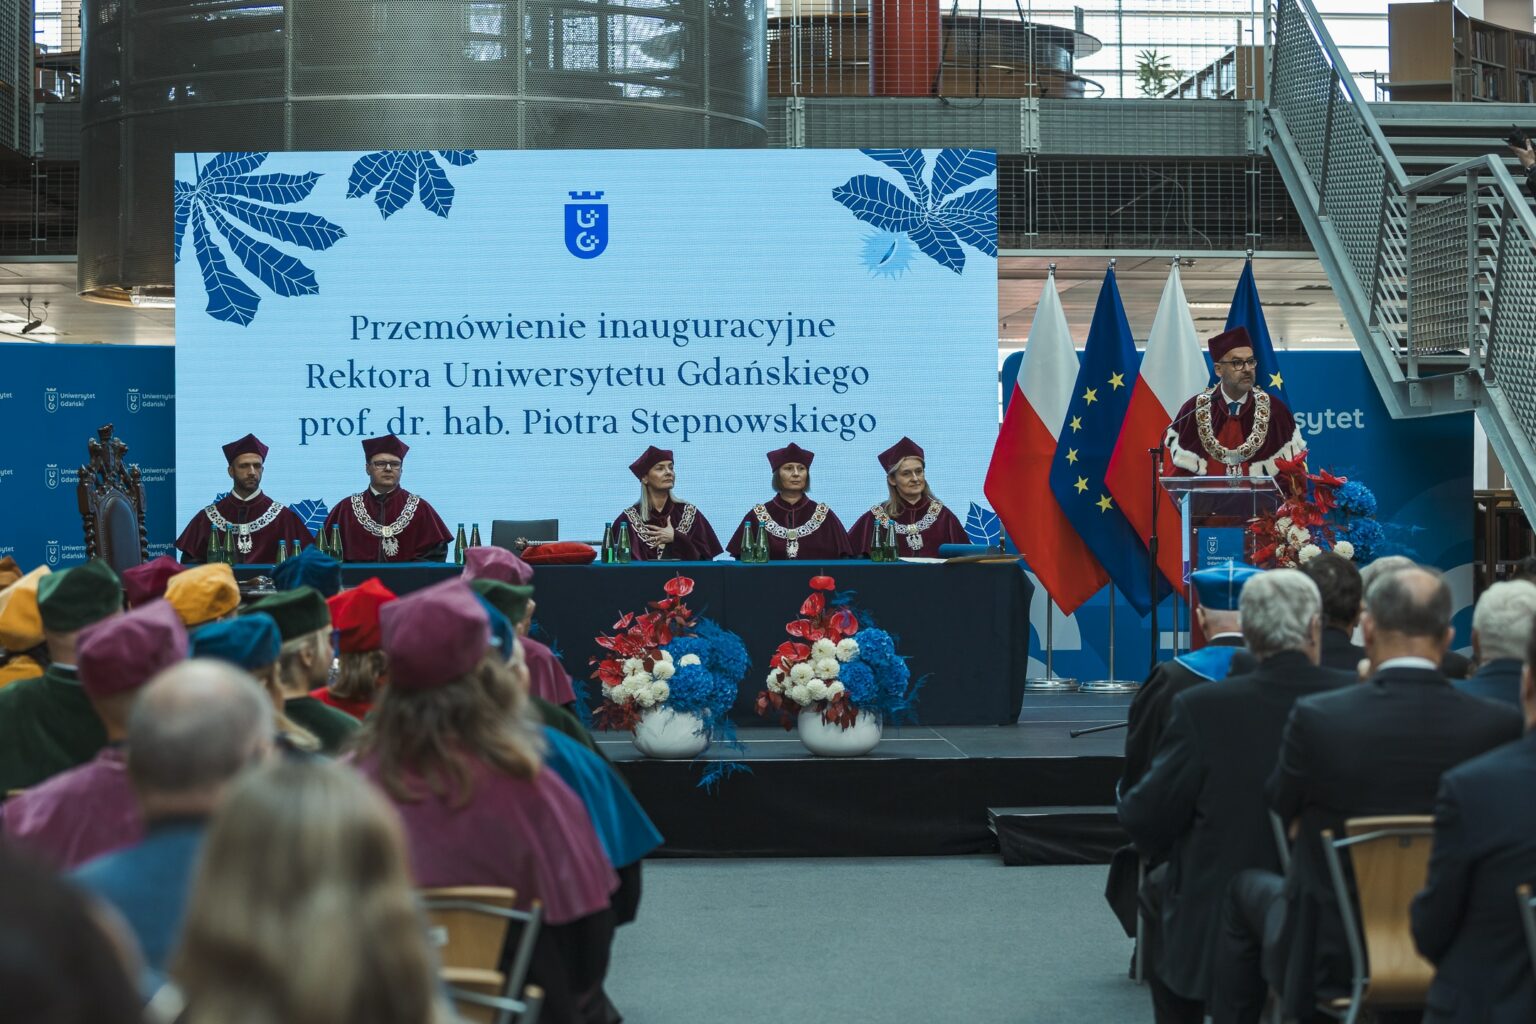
pixel 111 497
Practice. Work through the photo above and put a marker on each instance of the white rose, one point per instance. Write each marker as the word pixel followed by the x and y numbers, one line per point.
pixel 800 695
pixel 664 670
pixel 1308 552
pixel 847 649
pixel 688 659
pixel 638 681
pixel 823 648
pixel 645 698
pixel 619 695
pixel 802 673
pixel 1344 549
pixel 834 688
pixel 826 668
pixel 633 665
pixel 817 689
pixel 1298 537
pixel 661 691
pixel 666 655
pixel 1283 524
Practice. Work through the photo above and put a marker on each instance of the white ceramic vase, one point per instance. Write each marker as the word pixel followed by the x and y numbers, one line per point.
pixel 670 735
pixel 826 740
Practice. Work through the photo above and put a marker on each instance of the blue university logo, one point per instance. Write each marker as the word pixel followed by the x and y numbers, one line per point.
pixel 586 225
pixel 133 399
pixel 51 475
pixel 51 399
pixel 52 557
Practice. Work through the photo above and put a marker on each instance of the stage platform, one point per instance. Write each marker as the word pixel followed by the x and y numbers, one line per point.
pixel 924 791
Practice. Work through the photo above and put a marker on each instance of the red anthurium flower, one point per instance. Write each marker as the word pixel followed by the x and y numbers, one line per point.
pixel 679 586
pixel 823 583
pixel 843 621
pixel 814 604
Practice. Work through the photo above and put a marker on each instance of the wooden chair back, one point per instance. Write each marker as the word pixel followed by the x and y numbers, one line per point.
pixel 467 937
pixel 478 998
pixel 110 494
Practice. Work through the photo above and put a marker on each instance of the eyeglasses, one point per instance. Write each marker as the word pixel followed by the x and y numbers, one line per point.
pixel 386 465
pixel 1239 364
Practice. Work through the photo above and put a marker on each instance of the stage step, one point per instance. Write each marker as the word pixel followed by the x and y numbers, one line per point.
pixel 1029 836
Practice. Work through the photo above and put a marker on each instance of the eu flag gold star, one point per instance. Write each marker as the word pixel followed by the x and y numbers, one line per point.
pixel 1117 381
pixel 1276 381
pixel 1081 485
pixel 1104 503
pixel 1091 396
pixel 1072 455
pixel 1076 424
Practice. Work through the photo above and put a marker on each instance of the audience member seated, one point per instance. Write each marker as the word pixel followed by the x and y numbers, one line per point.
pixel 361 667
pixel 58 962
pixel 204 593
pixel 147 581
pixel 309 568
pixel 450 742
pixel 23 654
pixel 1501 628
pixel 91 810
pixel 547 678
pixel 1466 921
pixel 192 730
pixel 1199 812
pixel 1376 748
pixel 253 643
pixel 1454 665
pixel 304 622
pixel 47 724
pixel 1343 591
pixel 302 910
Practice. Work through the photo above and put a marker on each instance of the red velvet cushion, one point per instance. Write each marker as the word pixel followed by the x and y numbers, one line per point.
pixel 561 552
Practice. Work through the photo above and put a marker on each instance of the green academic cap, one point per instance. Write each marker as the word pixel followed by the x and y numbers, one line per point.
pixel 298 612
pixel 75 598
pixel 508 598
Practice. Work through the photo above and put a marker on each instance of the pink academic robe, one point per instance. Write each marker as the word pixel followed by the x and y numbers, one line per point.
pixel 77 815
pixel 547 678
pixel 419 540
pixel 287 526
pixel 829 541
pixel 946 529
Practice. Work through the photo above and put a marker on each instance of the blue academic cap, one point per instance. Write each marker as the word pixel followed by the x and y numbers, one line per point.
pixel 252 641
pixel 1219 587
pixel 503 634
pixel 309 568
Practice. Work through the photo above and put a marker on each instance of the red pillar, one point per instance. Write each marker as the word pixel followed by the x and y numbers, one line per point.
pixel 903 47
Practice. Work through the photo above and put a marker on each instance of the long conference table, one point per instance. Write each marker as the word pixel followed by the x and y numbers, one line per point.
pixel 963 626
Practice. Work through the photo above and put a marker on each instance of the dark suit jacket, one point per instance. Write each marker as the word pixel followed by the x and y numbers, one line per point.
pixel 1466 921
pixel 1494 680
pixel 1340 652
pixel 1378 747
pixel 1456 666
pixel 1148 715
pixel 1201 804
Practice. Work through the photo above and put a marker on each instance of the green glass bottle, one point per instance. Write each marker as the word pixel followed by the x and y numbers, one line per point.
pixel 760 548
pixel 474 536
pixel 229 546
pixel 891 554
pixel 336 551
pixel 621 545
pixel 607 552
pixel 459 543
pixel 282 551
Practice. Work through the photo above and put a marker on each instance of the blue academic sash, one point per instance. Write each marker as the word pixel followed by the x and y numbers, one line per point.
pixel 1210 663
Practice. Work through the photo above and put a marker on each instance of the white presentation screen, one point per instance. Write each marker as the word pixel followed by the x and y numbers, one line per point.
pixel 529 322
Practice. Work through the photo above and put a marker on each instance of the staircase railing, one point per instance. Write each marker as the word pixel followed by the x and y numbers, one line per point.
pixel 1437 276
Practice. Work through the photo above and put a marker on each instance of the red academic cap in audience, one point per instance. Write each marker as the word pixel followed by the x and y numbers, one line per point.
pixel 496 564
pixel 434 635
pixel 250 444
pixel 794 453
pixel 355 615
pixel 906 448
pixel 389 444
pixel 126 651
pixel 1226 341
pixel 645 463
pixel 145 582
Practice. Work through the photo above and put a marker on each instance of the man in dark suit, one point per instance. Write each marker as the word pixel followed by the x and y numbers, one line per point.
pixel 1501 627
pixel 1339 582
pixel 1200 807
pixel 1373 749
pixel 1465 921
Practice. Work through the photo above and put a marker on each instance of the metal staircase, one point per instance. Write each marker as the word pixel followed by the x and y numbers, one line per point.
pixel 1429 241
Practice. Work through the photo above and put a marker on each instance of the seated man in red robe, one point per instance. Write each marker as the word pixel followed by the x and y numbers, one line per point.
pixel 387 523
pixel 922 522
pixel 258 521
pixel 1233 428
pixel 660 526
pixel 796 526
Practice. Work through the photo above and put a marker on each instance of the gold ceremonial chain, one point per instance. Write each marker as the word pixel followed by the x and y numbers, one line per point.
pixel 393 530
pixel 683 525
pixel 243 531
pixel 1243 452
pixel 912 532
pixel 791 536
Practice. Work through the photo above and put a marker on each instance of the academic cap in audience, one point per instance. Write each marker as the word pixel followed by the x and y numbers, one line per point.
pixel 389 444
pixel 496 564
pixel 507 598
pixel 10 572
pixel 503 635
pixel 647 461
pixel 794 453
pixel 355 616
pixel 1226 341
pixel 21 624
pixel 309 568
pixel 250 444
pixel 434 636
pixel 906 448
pixel 252 641
pixel 145 582
pixel 203 593
pixel 126 651
pixel 78 596
pixel 298 612
pixel 1219 587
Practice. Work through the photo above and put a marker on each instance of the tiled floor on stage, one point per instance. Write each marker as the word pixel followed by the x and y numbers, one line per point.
pixel 1043 730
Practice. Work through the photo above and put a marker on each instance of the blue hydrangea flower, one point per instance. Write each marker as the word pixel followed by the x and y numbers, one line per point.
pixel 1355 499
pixel 1368 538
pixel 859 680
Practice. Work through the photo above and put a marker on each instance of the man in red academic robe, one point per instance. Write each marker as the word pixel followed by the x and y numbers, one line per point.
pixel 922 522
pixel 258 521
pixel 659 525
pixel 1233 428
pixel 797 527
pixel 387 523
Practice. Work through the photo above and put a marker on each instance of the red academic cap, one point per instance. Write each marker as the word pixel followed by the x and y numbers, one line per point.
pixel 794 453
pixel 434 635
pixel 1226 341
pixel 906 448
pixel 645 463
pixel 250 444
pixel 144 582
pixel 389 444
pixel 496 564
pixel 124 652
pixel 355 615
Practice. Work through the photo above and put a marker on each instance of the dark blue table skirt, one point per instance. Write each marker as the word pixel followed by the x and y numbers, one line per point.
pixel 963 626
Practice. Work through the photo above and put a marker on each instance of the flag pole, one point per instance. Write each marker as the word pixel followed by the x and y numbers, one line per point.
pixel 1111 684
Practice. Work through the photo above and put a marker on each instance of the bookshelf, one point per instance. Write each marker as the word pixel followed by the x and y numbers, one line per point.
pixel 1438 54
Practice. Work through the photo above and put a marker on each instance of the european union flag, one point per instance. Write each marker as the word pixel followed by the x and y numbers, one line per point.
pixel 1094 416
pixel 1247 312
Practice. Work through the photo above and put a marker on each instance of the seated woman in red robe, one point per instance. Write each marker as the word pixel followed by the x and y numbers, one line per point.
pixel 660 526
pixel 797 527
pixel 451 743
pixel 922 522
